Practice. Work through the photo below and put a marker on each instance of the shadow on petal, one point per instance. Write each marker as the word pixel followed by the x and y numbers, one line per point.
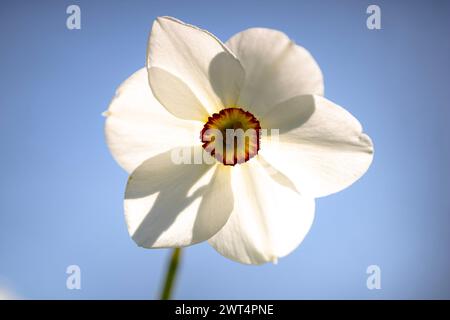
pixel 175 95
pixel 276 175
pixel 172 204
pixel 216 206
pixel 290 114
pixel 226 76
pixel 171 183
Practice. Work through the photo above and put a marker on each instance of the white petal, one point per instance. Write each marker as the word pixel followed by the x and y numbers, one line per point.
pixel 321 146
pixel 176 95
pixel 138 127
pixel 173 205
pixel 198 59
pixel 276 69
pixel 269 219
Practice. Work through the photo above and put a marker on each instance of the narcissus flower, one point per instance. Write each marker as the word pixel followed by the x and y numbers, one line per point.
pixel 254 208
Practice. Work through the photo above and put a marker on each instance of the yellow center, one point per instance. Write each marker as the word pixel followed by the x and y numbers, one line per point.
pixel 231 136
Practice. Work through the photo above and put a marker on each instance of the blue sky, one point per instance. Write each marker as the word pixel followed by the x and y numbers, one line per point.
pixel 61 191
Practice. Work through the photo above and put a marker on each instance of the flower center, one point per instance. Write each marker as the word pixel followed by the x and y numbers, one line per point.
pixel 231 136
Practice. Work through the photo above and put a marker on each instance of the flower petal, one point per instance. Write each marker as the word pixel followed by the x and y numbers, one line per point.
pixel 138 126
pixel 276 69
pixel 173 205
pixel 178 99
pixel 198 59
pixel 321 146
pixel 268 221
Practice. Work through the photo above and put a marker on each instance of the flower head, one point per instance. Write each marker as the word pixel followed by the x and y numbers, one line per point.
pixel 251 195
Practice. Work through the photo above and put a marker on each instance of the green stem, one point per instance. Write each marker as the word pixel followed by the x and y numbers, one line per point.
pixel 171 274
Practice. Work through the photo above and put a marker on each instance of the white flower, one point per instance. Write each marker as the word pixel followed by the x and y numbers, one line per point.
pixel 251 212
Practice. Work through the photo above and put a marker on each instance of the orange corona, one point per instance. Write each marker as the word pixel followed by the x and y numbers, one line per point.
pixel 232 136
